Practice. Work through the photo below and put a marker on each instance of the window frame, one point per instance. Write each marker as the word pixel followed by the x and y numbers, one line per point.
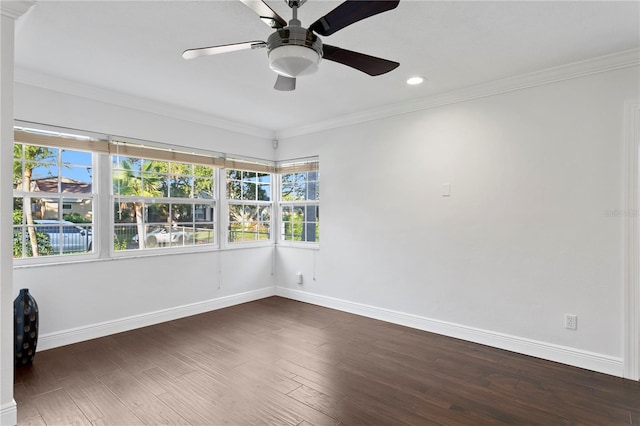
pixel 289 167
pixel 45 138
pixel 226 231
pixel 103 147
pixel 146 201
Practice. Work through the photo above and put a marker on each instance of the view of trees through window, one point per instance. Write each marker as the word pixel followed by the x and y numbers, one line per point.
pixel 165 201
pixel 53 201
pixel 299 207
pixel 162 203
pixel 249 198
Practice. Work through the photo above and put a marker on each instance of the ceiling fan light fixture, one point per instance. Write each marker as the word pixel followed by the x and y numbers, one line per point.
pixel 293 61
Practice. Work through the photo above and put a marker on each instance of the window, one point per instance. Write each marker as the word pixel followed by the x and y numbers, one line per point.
pixel 300 202
pixel 249 199
pixel 162 197
pixel 53 200
pixel 162 204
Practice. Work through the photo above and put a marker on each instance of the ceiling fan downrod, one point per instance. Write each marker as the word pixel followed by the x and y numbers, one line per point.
pixel 294 5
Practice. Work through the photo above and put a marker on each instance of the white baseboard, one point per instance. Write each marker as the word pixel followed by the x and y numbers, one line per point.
pixel 9 414
pixel 566 355
pixel 80 334
pixel 562 354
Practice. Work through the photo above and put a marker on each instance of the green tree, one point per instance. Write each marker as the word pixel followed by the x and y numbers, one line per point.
pixel 75 218
pixel 203 181
pixel 246 218
pixel 143 178
pixel 42 239
pixel 25 159
pixel 301 221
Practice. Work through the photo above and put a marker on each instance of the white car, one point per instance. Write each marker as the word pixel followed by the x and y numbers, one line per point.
pixel 72 238
pixel 165 237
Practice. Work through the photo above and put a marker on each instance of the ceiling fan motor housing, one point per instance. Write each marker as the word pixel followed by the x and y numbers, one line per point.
pixel 294 51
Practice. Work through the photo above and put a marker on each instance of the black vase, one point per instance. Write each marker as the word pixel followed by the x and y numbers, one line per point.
pixel 25 328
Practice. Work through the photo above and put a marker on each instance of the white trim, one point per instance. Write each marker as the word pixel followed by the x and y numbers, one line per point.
pixel 9 413
pixel 45 81
pixel 566 355
pixel 632 244
pixel 8 409
pixel 298 245
pixel 624 59
pixel 571 356
pixel 15 9
pixel 75 335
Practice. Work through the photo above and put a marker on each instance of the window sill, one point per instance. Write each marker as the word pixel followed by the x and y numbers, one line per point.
pixel 298 245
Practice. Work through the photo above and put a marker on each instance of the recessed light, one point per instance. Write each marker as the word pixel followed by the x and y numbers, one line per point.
pixel 415 80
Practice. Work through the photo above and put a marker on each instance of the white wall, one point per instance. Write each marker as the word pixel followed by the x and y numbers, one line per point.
pixel 523 239
pixel 142 120
pixel 79 301
pixel 82 300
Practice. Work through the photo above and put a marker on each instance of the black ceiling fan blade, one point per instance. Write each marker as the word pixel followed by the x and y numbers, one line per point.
pixel 365 63
pixel 214 50
pixel 285 84
pixel 349 12
pixel 265 13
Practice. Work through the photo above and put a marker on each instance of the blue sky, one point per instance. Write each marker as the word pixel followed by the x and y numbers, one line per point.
pixel 76 165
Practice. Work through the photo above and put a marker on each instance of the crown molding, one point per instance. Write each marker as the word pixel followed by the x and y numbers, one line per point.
pixel 15 9
pixel 58 84
pixel 624 59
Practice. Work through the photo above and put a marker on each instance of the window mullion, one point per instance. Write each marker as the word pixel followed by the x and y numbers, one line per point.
pixel 223 218
pixel 104 203
pixel 275 210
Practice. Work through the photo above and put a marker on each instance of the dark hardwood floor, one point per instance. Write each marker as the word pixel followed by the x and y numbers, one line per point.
pixel 277 361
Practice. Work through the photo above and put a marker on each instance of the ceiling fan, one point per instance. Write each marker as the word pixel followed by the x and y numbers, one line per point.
pixel 296 51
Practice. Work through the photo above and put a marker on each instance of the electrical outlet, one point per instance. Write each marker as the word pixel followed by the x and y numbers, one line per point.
pixel 571 322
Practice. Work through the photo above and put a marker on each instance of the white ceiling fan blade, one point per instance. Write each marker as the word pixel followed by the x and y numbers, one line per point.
pixel 214 50
pixel 265 13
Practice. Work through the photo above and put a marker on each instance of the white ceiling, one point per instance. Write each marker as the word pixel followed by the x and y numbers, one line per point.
pixel 134 47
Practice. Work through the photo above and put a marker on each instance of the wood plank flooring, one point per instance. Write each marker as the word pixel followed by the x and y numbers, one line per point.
pixel 281 362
